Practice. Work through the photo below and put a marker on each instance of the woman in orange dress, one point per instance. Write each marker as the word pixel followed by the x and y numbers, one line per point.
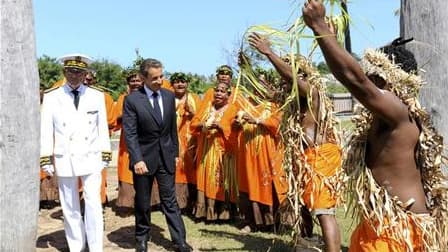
pixel 215 168
pixel 261 179
pixel 186 106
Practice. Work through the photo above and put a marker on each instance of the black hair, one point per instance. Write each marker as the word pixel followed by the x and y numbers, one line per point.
pixel 401 56
pixel 228 88
pixel 130 76
pixel 149 63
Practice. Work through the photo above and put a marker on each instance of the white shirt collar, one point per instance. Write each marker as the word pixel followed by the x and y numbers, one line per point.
pixel 69 89
pixel 149 92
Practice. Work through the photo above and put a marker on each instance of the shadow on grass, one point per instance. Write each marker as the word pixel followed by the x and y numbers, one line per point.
pixel 124 212
pixel 124 237
pixel 55 240
pixel 252 242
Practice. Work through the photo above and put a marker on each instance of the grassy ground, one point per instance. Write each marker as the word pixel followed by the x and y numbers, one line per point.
pixel 226 237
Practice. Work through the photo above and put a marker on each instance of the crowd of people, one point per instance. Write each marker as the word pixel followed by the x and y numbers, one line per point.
pixel 221 156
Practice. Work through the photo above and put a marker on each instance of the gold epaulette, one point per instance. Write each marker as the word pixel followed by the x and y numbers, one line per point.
pixel 97 88
pixel 106 156
pixel 45 160
pixel 50 89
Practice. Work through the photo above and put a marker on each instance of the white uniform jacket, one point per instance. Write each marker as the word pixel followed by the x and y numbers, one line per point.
pixel 75 138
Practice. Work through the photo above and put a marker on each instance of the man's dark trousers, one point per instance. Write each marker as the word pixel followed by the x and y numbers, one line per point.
pixel 143 186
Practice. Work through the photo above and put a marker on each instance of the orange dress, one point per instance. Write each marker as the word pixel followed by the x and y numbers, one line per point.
pixel 187 142
pixel 259 159
pixel 167 85
pixel 365 238
pixel 110 110
pixel 59 83
pixel 215 168
pixel 185 166
pixel 123 172
pixel 325 161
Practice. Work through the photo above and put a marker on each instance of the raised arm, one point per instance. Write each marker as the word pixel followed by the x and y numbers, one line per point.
pixel 264 47
pixel 347 70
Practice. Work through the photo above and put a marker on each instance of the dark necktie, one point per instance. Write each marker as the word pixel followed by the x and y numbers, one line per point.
pixel 156 106
pixel 76 100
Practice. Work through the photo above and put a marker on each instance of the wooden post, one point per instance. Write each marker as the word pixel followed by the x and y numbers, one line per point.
pixel 427 23
pixel 19 127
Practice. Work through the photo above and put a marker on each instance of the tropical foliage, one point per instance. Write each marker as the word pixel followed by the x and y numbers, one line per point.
pixel 110 76
pixel 49 71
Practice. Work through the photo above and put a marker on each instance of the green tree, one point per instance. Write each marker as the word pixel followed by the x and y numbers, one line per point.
pixel 323 68
pixel 334 88
pixel 50 71
pixel 109 77
pixel 198 83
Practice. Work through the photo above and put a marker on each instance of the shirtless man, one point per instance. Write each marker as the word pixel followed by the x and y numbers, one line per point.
pixel 322 202
pixel 393 136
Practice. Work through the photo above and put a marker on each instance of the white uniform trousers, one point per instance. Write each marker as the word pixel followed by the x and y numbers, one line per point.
pixel 75 228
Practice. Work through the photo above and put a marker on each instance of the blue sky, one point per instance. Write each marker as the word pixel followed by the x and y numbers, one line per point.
pixel 191 36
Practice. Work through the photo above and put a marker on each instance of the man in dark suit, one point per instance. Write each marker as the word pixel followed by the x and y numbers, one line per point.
pixel 149 121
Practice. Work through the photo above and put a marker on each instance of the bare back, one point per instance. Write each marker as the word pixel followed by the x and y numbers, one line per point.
pixel 391 155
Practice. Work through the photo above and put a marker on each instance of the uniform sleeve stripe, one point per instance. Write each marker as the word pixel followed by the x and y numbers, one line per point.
pixel 46 160
pixel 106 155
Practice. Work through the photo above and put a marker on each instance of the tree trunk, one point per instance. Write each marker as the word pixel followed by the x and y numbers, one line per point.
pixel 427 23
pixel 19 124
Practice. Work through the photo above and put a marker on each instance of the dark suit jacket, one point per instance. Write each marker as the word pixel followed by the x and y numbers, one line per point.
pixel 146 138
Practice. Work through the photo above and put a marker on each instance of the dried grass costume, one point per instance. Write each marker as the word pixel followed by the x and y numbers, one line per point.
pixel 385 224
pixel 315 176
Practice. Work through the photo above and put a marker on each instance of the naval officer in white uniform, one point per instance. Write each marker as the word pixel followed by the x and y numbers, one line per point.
pixel 75 144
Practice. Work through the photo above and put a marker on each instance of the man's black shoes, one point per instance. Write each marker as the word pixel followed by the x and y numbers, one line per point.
pixel 185 247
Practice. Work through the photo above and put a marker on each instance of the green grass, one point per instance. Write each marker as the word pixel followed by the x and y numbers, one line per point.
pixel 226 237
pixel 347 125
